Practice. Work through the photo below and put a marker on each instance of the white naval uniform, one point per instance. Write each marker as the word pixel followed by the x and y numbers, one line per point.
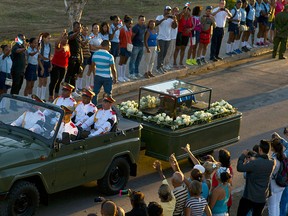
pixel 100 121
pixel 29 119
pixel 68 127
pixel 68 102
pixel 81 112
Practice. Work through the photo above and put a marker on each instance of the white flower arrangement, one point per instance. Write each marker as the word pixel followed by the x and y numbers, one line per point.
pixel 217 110
pixel 149 102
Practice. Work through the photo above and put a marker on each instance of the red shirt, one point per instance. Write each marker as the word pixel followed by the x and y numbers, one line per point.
pixel 125 35
pixel 184 24
pixel 61 57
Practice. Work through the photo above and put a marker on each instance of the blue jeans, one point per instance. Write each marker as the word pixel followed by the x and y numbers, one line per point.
pixel 135 59
pixel 98 83
pixel 284 203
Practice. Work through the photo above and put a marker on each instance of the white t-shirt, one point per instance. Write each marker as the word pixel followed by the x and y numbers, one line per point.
pixel 164 28
pixel 32 59
pixel 220 18
pixel 5 64
pixel 173 34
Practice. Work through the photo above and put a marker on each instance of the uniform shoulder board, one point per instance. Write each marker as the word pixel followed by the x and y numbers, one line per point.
pixel 72 124
pixel 93 105
pixel 40 113
pixel 72 99
pixel 113 112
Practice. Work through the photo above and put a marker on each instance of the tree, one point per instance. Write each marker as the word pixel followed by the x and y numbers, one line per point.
pixel 74 8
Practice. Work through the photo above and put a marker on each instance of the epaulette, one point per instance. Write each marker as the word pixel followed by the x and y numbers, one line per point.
pixel 72 99
pixel 113 112
pixel 72 124
pixel 93 105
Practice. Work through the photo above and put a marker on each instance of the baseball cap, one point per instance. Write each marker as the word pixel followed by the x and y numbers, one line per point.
pixel 209 7
pixel 167 7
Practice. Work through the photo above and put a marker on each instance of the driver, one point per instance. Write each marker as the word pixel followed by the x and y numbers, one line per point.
pixel 103 120
pixel 32 119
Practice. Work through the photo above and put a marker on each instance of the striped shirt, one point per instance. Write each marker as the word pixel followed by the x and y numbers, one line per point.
pixel 197 205
pixel 103 60
pixel 180 194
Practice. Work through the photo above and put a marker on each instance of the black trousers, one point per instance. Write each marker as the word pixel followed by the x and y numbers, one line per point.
pixel 282 41
pixel 246 205
pixel 17 78
pixel 73 70
pixel 56 76
pixel 216 41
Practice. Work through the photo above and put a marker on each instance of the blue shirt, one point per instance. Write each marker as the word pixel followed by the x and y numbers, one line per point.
pixel 285 144
pixel 251 13
pixel 5 64
pixel 243 14
pixel 117 33
pixel 103 60
pixel 32 59
pixel 152 40
pixel 139 32
pixel 265 7
pixel 257 9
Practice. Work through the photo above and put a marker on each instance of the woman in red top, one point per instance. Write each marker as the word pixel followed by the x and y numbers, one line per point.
pixel 184 31
pixel 125 37
pixel 60 64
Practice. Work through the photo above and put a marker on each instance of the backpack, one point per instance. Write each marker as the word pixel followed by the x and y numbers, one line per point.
pixel 281 177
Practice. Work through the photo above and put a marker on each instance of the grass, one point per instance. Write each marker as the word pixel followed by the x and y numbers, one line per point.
pixel 31 17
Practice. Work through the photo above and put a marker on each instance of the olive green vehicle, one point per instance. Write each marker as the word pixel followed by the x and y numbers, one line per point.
pixel 34 164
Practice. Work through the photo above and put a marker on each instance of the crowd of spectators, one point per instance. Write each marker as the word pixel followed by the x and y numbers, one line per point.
pixel 161 39
pixel 207 191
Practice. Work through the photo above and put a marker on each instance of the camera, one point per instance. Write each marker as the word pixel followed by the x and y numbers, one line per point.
pixel 126 192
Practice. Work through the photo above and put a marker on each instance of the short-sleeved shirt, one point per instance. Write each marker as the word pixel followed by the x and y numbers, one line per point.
pixel 243 14
pixel 95 40
pixel 116 34
pixel 257 9
pixel 75 46
pixel 164 28
pixel 236 15
pixel 18 59
pixel 104 37
pixel 197 205
pixel 265 7
pixel 5 64
pixel 139 32
pixel 251 14
pixel 103 60
pixel 180 194
pixel 125 37
pixel 220 18
pixel 32 59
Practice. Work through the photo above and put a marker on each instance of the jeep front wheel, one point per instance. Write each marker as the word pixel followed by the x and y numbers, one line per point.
pixel 23 199
pixel 116 177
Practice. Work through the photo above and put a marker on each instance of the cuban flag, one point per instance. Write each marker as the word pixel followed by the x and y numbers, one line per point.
pixel 18 40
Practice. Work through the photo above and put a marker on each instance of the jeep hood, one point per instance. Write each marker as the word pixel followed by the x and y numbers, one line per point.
pixel 14 151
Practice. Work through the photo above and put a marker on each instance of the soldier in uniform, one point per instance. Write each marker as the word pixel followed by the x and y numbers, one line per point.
pixel 32 119
pixel 67 126
pixel 65 99
pixel 85 108
pixel 103 120
pixel 281 26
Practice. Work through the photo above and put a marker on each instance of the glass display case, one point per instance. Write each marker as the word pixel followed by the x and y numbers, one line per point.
pixel 174 98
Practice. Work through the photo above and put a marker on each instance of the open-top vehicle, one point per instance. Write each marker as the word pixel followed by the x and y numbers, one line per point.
pixel 33 163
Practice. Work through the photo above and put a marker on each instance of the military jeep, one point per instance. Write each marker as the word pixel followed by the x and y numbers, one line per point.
pixel 34 164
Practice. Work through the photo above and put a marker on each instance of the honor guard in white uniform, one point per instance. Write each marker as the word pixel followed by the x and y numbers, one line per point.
pixel 67 126
pixel 65 99
pixel 32 119
pixel 103 120
pixel 85 109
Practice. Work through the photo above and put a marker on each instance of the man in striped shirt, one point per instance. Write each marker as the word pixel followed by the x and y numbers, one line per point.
pixel 106 74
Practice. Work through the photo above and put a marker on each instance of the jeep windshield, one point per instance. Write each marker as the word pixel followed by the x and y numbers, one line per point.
pixel 26 117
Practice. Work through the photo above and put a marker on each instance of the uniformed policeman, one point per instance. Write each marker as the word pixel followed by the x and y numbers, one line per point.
pixel 67 126
pixel 85 108
pixel 32 119
pixel 103 120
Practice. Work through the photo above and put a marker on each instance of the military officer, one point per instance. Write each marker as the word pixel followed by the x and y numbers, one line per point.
pixel 32 119
pixel 103 120
pixel 66 98
pixel 67 126
pixel 85 108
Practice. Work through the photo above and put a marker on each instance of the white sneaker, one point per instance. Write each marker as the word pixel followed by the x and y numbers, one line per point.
pixel 137 75
pixel 132 77
pixel 121 79
pixel 126 79
pixel 249 46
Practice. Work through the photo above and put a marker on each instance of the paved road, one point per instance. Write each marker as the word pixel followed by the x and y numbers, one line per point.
pixel 258 89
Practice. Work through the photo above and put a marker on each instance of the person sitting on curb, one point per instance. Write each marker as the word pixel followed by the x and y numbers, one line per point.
pixel 32 119
pixel 85 108
pixel 166 196
pixel 139 207
pixel 103 120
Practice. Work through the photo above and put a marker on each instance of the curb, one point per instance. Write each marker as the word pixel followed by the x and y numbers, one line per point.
pixel 119 89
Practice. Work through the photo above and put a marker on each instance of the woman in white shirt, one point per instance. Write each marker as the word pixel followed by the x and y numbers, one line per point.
pixel 274 200
pixel 5 72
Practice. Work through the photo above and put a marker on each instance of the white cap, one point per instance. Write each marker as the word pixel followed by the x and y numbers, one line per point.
pixel 199 167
